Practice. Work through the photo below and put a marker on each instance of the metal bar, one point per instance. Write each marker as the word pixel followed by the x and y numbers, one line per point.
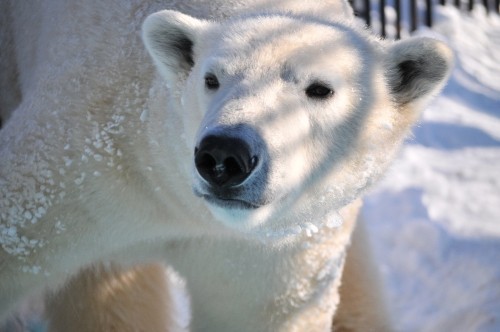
pixel 382 18
pixel 442 2
pixel 397 3
pixel 367 12
pixel 413 14
pixel 457 3
pixel 428 13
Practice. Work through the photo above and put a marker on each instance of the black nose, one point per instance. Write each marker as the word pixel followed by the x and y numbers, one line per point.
pixel 224 161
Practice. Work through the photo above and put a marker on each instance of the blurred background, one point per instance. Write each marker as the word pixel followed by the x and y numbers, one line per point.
pixel 435 219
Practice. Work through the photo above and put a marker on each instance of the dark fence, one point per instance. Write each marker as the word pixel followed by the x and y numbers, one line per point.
pixel 417 12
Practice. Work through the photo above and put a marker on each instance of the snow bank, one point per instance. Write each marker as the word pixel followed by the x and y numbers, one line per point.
pixel 435 220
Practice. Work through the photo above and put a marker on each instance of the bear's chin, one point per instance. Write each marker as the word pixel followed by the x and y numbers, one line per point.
pixel 230 203
pixel 235 215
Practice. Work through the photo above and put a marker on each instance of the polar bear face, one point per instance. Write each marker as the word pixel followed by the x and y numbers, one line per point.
pixel 289 115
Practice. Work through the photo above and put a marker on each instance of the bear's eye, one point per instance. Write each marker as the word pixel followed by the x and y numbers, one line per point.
pixel 319 90
pixel 211 82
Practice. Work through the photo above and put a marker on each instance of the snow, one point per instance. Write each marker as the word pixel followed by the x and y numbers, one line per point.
pixel 435 219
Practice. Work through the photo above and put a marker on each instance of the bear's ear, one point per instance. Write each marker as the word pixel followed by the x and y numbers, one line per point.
pixel 417 69
pixel 169 37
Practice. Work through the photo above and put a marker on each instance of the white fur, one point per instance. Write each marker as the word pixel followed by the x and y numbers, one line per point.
pixel 97 160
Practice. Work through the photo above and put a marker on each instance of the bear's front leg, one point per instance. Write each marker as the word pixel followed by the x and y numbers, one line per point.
pixel 234 285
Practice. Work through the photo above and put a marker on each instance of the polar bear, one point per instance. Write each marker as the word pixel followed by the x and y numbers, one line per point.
pixel 241 165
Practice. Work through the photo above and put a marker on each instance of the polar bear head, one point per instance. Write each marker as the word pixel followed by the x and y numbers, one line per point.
pixel 289 116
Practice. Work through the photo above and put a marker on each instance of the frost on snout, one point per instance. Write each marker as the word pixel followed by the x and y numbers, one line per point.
pixel 231 167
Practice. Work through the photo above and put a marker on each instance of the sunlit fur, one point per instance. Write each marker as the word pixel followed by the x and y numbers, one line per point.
pixel 97 159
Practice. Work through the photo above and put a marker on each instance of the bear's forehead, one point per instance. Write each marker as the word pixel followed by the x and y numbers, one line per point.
pixel 279 33
pixel 281 42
